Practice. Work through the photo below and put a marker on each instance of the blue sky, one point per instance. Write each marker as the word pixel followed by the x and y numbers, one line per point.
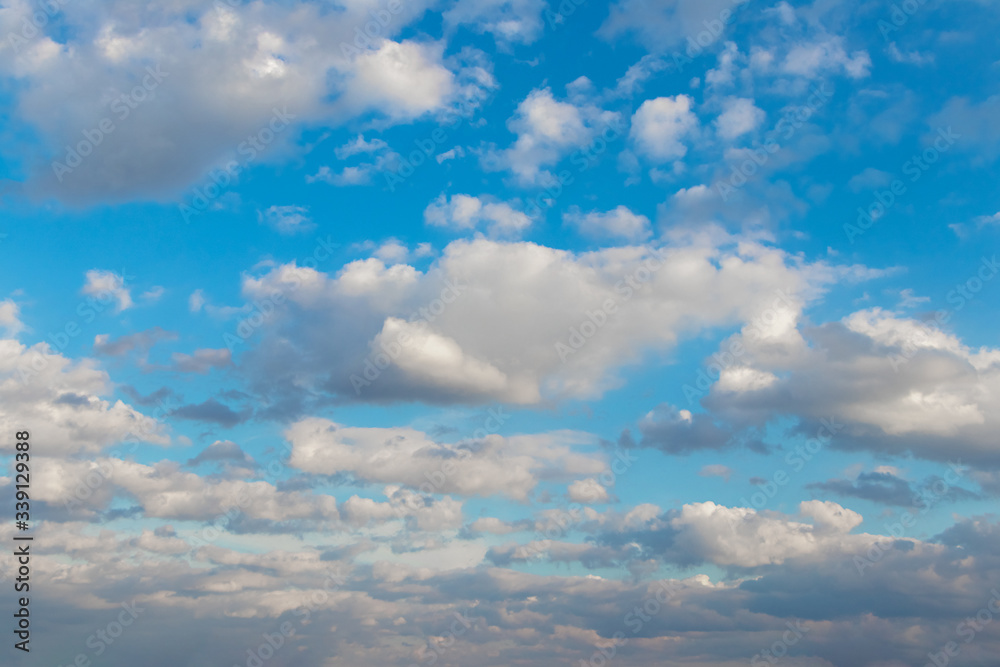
pixel 513 309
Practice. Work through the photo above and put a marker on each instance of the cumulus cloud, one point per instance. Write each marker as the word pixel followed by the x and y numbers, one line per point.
pixel 447 332
pixel 491 466
pixel 618 223
pixel 739 116
pixel 142 70
pixel 660 127
pixel 10 317
pixel 63 402
pixel 588 491
pixel 548 130
pixel 465 213
pixel 108 286
pixel 896 385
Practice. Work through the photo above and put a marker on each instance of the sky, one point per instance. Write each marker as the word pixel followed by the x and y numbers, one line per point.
pixel 501 332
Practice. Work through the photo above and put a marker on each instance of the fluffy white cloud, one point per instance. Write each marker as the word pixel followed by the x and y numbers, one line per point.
pixel 548 130
pixel 660 126
pixel 894 384
pixel 618 223
pixel 490 466
pixel 742 537
pixel 107 286
pixel 164 491
pixel 739 116
pixel 60 400
pixel 588 491
pixel 405 78
pixel 10 317
pixel 509 321
pixel 428 514
pixel 465 212
pixel 274 65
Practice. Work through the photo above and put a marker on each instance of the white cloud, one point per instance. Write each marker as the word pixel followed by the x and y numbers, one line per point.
pixel 669 24
pixel 287 219
pixel 487 467
pixel 895 385
pixel 516 304
pixel 108 286
pixel 405 79
pixel 739 117
pixel 809 59
pixel 430 514
pixel 745 538
pixel 869 179
pixel 359 146
pixel 548 130
pixel 383 158
pixel 509 21
pixel 660 126
pixel 10 317
pixel 193 118
pixel 618 223
pixel 196 301
pixel 463 212
pixel 588 491
pixel 716 470
pixel 62 402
